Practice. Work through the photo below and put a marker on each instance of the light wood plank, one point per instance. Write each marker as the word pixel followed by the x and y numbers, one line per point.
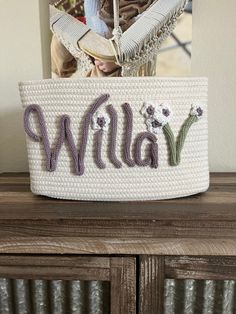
pixel 169 246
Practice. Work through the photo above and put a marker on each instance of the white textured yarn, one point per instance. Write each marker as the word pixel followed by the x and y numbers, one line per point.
pixel 73 97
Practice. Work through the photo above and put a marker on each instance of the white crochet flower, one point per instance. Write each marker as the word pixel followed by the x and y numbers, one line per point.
pixel 197 110
pixel 100 121
pixel 154 125
pixel 148 109
pixel 161 111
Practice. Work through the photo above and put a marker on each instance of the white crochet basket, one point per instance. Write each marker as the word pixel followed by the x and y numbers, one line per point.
pixel 113 139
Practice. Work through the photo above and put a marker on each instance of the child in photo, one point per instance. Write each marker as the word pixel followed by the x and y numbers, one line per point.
pixel 99 18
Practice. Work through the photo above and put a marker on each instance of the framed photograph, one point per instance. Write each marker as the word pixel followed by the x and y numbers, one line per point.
pixel 92 54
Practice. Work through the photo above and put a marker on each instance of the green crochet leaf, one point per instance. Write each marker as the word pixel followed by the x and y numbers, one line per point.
pixel 176 146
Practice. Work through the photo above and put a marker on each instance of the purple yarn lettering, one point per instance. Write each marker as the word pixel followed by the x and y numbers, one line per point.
pixel 128 135
pixel 65 134
pixel 151 160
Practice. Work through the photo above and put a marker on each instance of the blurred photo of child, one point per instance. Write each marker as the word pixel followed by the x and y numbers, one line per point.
pixel 98 16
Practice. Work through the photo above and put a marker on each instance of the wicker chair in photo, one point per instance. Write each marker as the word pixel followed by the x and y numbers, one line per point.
pixel 131 49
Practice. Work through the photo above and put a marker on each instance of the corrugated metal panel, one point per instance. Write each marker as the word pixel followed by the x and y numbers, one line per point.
pixel 200 296
pixel 54 297
pixel 5 297
pixel 93 297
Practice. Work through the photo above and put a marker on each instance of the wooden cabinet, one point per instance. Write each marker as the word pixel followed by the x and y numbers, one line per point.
pixel 138 249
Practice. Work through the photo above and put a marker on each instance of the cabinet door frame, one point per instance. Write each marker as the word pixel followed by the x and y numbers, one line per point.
pixel 154 269
pixel 120 271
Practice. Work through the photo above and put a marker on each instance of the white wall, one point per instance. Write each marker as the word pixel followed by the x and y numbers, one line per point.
pixel 22 48
pixel 214 55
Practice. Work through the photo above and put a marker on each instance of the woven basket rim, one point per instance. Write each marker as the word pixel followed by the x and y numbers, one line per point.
pixel 92 79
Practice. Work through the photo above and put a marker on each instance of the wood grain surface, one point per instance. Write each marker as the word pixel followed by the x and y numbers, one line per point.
pixel 203 268
pixel 202 224
pixel 54 267
pixel 123 285
pixel 90 245
pixel 140 243
pixel 151 284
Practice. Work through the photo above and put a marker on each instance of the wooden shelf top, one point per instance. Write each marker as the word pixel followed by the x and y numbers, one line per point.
pixel 17 202
pixel 200 224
